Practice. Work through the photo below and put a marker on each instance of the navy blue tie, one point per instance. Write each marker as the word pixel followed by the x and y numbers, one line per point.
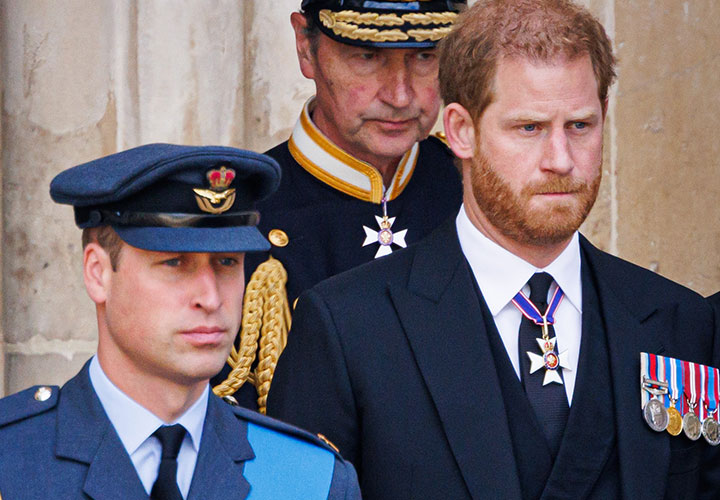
pixel 549 401
pixel 165 487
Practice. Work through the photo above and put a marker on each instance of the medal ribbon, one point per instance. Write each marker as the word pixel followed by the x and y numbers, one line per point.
pixel 703 391
pixel 679 381
pixel 645 373
pixel 711 397
pixel 696 374
pixel 532 313
pixel 653 368
pixel 672 386
pixel 661 378
pixel 715 391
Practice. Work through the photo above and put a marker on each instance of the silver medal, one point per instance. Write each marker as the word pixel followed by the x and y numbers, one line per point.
pixel 692 426
pixel 711 431
pixel 656 415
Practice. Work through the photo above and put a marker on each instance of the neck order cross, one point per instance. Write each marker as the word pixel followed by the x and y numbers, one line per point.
pixel 531 309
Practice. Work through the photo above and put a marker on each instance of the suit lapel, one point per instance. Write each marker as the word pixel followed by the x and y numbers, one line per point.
pixel 632 325
pixel 442 320
pixel 591 419
pixel 85 435
pixel 223 450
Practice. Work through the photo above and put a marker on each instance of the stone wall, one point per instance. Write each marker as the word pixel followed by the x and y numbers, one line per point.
pixel 85 78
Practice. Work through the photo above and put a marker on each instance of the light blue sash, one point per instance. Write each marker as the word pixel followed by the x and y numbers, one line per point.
pixel 286 467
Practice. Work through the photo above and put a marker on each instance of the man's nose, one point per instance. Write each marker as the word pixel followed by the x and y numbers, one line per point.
pixel 206 294
pixel 397 90
pixel 558 154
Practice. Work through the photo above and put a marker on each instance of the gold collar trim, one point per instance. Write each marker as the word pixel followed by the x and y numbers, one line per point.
pixel 311 148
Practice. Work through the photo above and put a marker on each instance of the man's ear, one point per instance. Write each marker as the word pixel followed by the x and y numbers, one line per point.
pixel 303 45
pixel 459 130
pixel 97 272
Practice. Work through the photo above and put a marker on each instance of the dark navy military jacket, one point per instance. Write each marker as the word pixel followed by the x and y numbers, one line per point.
pixel 324 224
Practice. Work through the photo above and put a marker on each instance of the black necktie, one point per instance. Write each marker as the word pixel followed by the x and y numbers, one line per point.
pixel 549 401
pixel 165 487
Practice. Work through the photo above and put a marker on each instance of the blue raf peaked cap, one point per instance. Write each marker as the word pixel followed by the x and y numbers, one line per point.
pixel 165 197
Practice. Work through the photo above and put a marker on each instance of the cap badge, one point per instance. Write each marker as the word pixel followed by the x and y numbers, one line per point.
pixel 218 194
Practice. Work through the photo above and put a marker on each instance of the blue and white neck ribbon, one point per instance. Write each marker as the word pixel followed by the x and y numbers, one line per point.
pixel 551 360
pixel 528 309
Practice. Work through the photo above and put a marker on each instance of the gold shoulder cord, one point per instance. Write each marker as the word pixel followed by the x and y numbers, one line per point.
pixel 266 315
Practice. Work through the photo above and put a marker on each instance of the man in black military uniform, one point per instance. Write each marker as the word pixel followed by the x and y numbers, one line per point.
pixel 165 231
pixel 360 177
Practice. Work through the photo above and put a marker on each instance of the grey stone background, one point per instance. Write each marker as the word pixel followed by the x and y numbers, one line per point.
pixel 85 78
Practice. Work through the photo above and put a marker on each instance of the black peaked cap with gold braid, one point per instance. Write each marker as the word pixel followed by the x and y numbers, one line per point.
pixel 385 23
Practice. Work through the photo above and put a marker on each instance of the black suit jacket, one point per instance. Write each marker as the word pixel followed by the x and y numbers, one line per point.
pixel 392 362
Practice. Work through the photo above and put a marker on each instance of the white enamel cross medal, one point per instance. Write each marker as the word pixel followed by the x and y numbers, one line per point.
pixel 385 237
pixel 549 360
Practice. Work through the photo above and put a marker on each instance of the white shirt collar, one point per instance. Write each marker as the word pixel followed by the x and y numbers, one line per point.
pixel 500 274
pixel 328 163
pixel 134 423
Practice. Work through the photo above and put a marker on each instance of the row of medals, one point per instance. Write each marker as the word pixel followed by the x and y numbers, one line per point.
pixel 662 419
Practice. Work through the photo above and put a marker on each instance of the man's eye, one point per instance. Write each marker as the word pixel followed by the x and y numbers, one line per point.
pixel 172 262
pixel 579 125
pixel 367 56
pixel 425 56
pixel 228 261
pixel 530 127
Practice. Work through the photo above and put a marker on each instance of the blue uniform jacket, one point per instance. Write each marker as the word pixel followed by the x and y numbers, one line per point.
pixel 66 448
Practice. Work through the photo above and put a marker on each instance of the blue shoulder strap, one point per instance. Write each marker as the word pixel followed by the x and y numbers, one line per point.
pixel 287 467
pixel 27 403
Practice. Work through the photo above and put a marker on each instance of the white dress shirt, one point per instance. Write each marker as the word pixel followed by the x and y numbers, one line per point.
pixel 501 274
pixel 135 426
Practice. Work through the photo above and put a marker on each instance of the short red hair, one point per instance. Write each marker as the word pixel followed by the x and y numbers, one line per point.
pixel 540 30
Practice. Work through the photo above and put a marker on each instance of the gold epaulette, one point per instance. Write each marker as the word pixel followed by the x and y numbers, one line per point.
pixel 266 317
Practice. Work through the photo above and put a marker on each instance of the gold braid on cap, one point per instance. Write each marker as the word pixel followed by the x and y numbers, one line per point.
pixel 266 315
pixel 346 23
pixel 368 34
pixel 371 18
pixel 433 35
